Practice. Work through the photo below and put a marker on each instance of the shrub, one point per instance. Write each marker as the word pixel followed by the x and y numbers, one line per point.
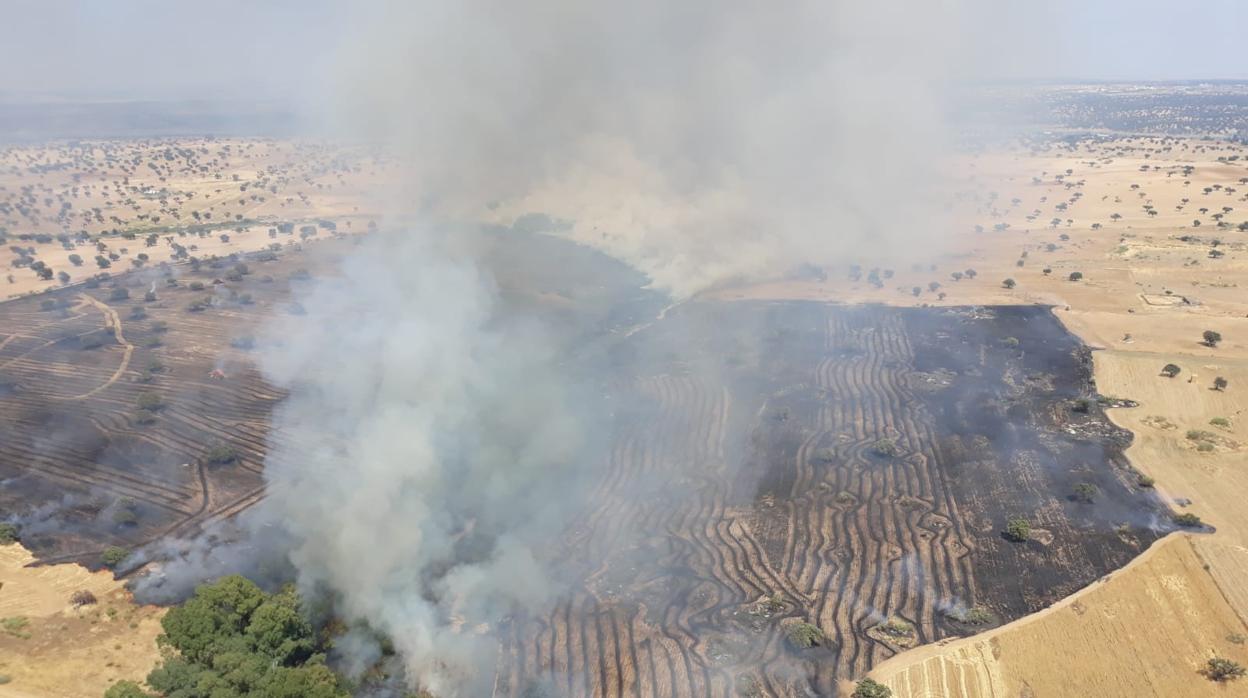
pixel 885 447
pixel 1170 370
pixel 1010 342
pixel 1222 669
pixel 803 636
pixel 895 627
pixel 8 533
pixel 125 517
pixel 1009 283
pixel 150 401
pixel 197 286
pixel 118 294
pixel 1211 338
pixel 1018 529
pixel 144 417
pixel 220 454
pixel 126 689
pixel 870 688
pixel 1219 383
pixel 16 626
pixel 1076 275
pixel 1187 519
pixel 160 326
pixel 1220 422
pixel 82 597
pixel 114 555
pixel 1146 482
pixel 1086 492
pixel 1081 405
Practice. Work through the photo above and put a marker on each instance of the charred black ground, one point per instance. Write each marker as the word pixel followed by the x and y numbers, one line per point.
pixel 766 463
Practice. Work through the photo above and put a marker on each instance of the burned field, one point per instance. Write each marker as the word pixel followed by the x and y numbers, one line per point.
pixel 787 493
pixel 130 408
pixel 853 469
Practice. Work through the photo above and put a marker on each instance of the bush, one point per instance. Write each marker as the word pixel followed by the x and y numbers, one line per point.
pixel 144 417
pixel 82 597
pixel 869 688
pixel 1018 529
pixel 885 448
pixel 1146 482
pixel 1086 492
pixel 197 286
pixel 150 401
pixel 8 534
pixel 1081 405
pixel 1076 275
pixel 220 454
pixel 1211 338
pixel 1219 383
pixel 125 517
pixel 118 294
pixel 1170 370
pixel 1187 520
pixel 1009 283
pixel 1220 422
pixel 803 636
pixel 114 555
pixel 1222 669
pixel 895 627
pixel 126 689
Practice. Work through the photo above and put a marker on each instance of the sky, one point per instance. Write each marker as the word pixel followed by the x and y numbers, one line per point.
pixel 279 49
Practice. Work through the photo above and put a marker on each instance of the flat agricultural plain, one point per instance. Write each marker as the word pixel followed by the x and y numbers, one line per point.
pixel 842 450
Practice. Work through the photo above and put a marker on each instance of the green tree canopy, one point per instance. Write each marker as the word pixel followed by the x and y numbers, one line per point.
pixel 232 639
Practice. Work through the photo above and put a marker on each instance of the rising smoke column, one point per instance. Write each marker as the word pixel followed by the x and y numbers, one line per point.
pixel 431 448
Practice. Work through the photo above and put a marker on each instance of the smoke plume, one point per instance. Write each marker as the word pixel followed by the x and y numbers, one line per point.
pixel 432 448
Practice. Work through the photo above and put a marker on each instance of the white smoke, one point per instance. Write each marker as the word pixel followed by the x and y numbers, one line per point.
pixel 430 449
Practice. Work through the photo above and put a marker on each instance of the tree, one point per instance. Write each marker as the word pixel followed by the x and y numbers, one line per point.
pixel 220 454
pixel 1187 519
pixel 1211 338
pixel 114 555
pixel 75 259
pixel 8 533
pixel 803 636
pixel 1076 275
pixel 150 401
pixel 126 689
pixel 1009 283
pixel 1170 370
pixel 1018 529
pixel 231 638
pixel 1222 669
pixel 1086 492
pixel 1219 383
pixel 870 688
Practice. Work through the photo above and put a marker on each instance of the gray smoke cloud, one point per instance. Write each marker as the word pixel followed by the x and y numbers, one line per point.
pixel 702 142
pixel 433 449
